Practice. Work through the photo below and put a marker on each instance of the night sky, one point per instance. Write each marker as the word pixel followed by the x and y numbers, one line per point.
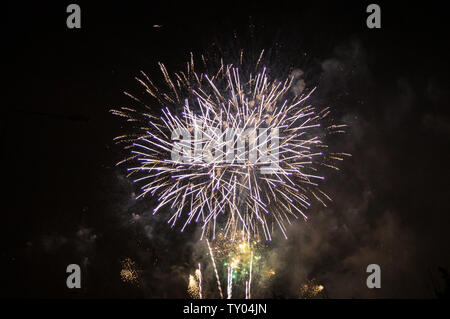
pixel 66 202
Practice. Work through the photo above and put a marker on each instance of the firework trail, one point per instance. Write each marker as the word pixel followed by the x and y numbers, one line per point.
pixel 215 270
pixel 250 276
pixel 195 284
pixel 198 274
pixel 246 290
pixel 230 282
pixel 229 147
pixel 193 287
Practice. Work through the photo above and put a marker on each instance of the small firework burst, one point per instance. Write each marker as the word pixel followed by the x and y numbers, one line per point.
pixel 311 289
pixel 129 273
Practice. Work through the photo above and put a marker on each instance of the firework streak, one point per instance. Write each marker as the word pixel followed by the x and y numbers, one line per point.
pixel 215 269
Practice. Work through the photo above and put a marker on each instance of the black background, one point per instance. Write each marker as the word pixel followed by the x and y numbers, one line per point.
pixel 62 191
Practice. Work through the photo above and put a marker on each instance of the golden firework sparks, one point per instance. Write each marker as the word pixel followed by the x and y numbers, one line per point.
pixel 311 289
pixel 129 273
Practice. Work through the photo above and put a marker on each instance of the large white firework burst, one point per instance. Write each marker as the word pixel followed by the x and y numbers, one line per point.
pixel 235 195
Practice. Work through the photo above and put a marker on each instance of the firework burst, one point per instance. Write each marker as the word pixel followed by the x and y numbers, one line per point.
pixel 129 273
pixel 236 263
pixel 230 148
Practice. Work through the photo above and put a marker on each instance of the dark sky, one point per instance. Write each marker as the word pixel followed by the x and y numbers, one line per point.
pixel 65 201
